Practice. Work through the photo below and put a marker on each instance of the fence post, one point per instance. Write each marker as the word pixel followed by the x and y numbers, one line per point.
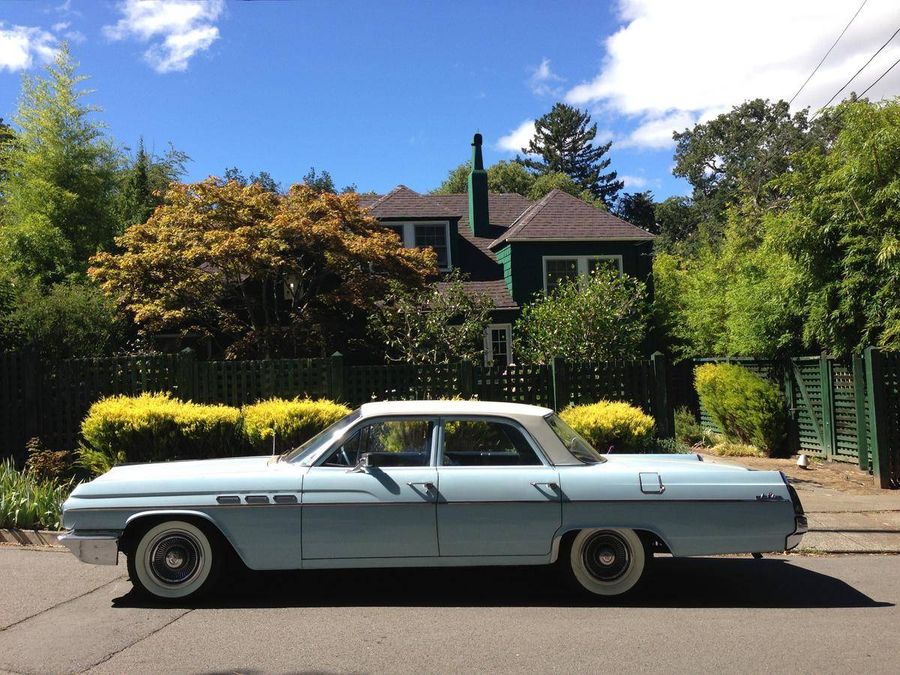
pixel 559 372
pixel 662 411
pixel 877 416
pixel 859 393
pixel 187 375
pixel 825 381
pixel 335 368
pixel 466 379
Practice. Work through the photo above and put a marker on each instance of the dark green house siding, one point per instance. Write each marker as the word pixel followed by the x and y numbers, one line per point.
pixel 523 265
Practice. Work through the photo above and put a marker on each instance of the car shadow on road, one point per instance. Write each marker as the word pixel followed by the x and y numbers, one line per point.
pixel 670 582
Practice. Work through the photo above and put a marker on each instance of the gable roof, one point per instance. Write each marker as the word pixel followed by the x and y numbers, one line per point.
pixel 560 215
pixel 401 202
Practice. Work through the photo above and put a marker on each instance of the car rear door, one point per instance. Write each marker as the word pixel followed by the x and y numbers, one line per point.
pixel 497 495
pixel 376 512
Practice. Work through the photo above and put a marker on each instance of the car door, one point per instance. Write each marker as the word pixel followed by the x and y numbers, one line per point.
pixel 497 495
pixel 384 510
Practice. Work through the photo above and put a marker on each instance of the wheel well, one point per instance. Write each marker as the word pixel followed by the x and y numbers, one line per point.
pixel 139 525
pixel 653 543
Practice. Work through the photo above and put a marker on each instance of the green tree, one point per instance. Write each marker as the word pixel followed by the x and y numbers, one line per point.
pixel 509 177
pixel 564 143
pixel 739 152
pixel 678 220
pixel 60 186
pixel 440 323
pixel 69 320
pixel 601 319
pixel 638 209
pixel 456 181
pixel 320 182
pixel 839 225
pixel 145 180
pixel 263 179
pixel 6 139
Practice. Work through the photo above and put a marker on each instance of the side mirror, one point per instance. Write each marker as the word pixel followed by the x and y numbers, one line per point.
pixel 362 464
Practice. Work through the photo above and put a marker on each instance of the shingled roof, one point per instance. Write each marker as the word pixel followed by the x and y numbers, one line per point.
pixel 560 215
pixel 401 202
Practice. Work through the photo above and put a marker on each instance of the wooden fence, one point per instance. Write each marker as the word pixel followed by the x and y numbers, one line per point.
pixel 48 399
pixel 839 409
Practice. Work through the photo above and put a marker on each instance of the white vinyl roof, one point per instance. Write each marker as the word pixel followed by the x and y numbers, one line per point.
pixel 380 408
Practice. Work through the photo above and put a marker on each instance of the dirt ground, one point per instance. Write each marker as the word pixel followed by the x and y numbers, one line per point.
pixel 841 476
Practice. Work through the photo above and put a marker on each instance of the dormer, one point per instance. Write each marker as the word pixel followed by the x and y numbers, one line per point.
pixel 420 222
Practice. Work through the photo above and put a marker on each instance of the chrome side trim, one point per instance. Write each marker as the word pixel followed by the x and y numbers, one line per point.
pixel 95 549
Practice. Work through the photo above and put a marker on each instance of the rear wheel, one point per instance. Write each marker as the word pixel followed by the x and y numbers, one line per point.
pixel 174 559
pixel 606 562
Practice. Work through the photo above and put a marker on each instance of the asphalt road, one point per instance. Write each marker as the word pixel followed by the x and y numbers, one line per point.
pixel 802 614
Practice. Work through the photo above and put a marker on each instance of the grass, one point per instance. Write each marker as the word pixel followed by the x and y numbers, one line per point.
pixel 730 449
pixel 29 503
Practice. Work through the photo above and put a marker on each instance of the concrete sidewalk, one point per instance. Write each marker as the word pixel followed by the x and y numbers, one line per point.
pixel 850 523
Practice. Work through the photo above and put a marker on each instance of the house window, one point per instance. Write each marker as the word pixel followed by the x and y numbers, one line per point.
pixel 434 235
pixel 558 269
pixel 498 345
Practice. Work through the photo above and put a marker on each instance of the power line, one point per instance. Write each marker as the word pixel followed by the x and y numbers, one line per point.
pixel 871 58
pixel 833 45
pixel 879 78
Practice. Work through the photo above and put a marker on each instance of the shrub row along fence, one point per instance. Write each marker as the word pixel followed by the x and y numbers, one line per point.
pixel 48 399
pixel 840 409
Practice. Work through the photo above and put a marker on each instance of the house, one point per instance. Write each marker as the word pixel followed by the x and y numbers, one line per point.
pixel 510 247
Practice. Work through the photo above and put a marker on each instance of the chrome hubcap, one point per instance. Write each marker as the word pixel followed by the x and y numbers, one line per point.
pixel 175 558
pixel 606 556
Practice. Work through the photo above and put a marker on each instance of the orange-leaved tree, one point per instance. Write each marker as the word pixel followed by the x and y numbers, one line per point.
pixel 262 274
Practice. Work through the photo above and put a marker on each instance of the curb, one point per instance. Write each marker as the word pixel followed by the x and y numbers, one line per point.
pixel 29 537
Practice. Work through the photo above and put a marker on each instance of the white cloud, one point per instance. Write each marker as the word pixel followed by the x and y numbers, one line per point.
pixel 175 29
pixel 632 182
pixel 518 138
pixel 543 81
pixel 21 46
pixel 671 62
pixel 656 132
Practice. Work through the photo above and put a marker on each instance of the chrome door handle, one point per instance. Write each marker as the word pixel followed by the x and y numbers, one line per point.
pixel 549 486
pixel 429 487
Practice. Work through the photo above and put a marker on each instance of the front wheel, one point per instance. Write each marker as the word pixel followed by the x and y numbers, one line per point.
pixel 606 562
pixel 174 560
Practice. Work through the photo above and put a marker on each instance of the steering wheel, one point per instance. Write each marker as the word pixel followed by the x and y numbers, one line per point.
pixel 344 456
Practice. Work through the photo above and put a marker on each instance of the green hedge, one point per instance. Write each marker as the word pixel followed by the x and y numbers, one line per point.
pixel 290 422
pixel 158 427
pixel 747 408
pixel 611 424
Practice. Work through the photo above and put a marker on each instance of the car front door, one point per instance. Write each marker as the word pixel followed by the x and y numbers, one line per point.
pixel 497 495
pixel 383 510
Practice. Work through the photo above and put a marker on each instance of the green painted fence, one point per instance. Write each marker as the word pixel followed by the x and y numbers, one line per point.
pixel 48 399
pixel 832 403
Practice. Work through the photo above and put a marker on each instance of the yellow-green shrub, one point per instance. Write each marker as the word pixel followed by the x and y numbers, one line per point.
pixel 290 421
pixel 156 427
pixel 614 424
pixel 747 408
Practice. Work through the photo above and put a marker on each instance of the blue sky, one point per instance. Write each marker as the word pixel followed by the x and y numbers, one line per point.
pixel 381 93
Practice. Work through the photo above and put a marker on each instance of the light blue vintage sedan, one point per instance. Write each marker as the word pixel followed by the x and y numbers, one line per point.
pixel 428 483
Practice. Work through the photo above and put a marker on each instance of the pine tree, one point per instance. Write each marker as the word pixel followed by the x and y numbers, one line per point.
pixel 137 198
pixel 563 140
pixel 58 194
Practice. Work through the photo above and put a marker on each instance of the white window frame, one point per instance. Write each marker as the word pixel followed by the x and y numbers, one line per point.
pixel 489 343
pixel 582 263
pixel 409 235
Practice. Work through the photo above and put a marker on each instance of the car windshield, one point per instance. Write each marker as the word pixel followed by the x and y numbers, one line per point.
pixel 304 454
pixel 579 448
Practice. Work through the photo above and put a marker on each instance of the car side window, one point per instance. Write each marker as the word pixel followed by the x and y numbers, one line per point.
pixel 486 443
pixel 395 442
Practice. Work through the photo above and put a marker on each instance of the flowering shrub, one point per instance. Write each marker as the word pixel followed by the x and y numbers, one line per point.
pixel 612 425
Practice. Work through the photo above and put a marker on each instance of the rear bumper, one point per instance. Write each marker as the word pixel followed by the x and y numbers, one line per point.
pixel 96 549
pixel 801 527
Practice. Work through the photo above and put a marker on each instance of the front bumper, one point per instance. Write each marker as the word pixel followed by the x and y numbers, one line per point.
pixel 96 549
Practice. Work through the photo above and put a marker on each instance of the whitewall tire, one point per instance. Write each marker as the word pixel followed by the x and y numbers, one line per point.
pixel 173 560
pixel 607 562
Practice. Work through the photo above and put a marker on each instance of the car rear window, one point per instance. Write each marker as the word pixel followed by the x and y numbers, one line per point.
pixel 579 448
